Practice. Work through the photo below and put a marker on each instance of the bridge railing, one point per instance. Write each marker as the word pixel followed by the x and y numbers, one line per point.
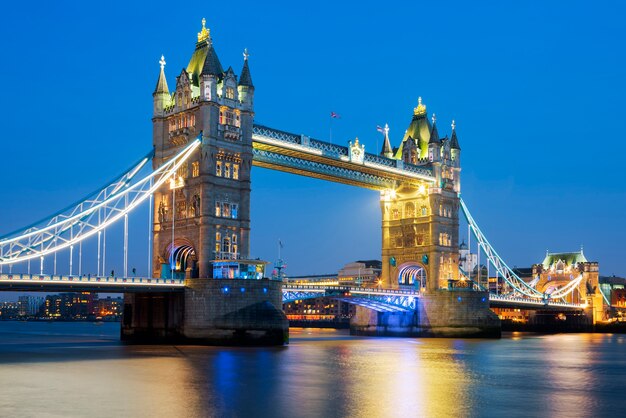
pixel 44 278
pixel 528 301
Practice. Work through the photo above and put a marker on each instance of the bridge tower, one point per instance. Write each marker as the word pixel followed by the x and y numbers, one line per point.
pixel 203 214
pixel 201 229
pixel 420 223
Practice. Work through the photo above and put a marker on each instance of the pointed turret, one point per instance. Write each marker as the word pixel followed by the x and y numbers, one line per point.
pixel 245 87
pixel 434 133
pixel 454 142
pixel 161 86
pixel 386 151
pixel 161 96
pixel 212 65
pixel 245 79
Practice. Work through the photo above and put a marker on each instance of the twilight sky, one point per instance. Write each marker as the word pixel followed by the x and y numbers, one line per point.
pixel 536 90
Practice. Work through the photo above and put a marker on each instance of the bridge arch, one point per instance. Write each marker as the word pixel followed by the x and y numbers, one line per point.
pixel 412 274
pixel 181 255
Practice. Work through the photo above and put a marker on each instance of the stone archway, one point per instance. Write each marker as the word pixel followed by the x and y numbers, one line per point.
pixel 412 274
pixel 181 257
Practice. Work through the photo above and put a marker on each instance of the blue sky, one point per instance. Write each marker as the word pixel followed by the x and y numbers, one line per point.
pixel 536 89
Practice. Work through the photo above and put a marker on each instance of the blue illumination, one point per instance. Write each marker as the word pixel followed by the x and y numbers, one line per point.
pixel 265 290
pixel 243 289
pixel 458 298
pixel 483 299
pixel 225 290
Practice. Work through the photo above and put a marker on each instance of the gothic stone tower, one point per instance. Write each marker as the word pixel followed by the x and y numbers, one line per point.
pixel 421 223
pixel 206 209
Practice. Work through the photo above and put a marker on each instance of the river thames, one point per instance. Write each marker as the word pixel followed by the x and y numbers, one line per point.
pixel 82 369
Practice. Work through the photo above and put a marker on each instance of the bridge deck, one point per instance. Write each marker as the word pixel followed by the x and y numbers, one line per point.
pixel 48 283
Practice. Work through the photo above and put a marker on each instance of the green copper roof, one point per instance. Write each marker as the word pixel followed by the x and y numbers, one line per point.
pixel 204 61
pixel 419 130
pixel 570 259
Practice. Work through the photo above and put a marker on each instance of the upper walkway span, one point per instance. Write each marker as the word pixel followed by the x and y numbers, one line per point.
pixel 300 154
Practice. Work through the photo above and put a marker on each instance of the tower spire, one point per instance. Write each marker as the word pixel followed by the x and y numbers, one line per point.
pixel 434 133
pixel 454 142
pixel 387 151
pixel 161 86
pixel 245 79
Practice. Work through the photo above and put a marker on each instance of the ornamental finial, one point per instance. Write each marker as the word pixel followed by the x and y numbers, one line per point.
pixel 421 108
pixel 453 125
pixel 245 54
pixel 205 33
pixel 386 129
pixel 162 62
pixel 434 118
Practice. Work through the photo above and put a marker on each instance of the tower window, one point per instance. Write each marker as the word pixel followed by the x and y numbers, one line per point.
pixel 195 169
pixel 227 170
pixel 218 239
pixel 236 171
pixel 218 209
pixel 230 93
pixel 218 168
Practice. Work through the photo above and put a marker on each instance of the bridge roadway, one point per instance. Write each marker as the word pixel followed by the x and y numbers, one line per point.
pixel 389 300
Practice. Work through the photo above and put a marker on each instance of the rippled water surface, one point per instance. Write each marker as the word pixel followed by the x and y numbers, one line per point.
pixel 79 369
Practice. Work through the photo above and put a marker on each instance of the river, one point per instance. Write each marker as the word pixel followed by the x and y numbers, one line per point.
pixel 82 369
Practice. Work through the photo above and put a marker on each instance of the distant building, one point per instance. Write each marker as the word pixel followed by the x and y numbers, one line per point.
pixel 9 310
pixel 29 305
pixel 360 273
pixel 108 308
pixel 68 306
pixel 467 260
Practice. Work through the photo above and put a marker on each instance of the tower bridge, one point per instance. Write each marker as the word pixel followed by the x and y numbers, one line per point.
pixel 203 283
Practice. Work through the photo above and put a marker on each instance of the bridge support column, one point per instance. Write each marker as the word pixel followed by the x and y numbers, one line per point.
pixel 438 314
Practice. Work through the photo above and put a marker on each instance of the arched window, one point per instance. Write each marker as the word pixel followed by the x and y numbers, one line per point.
pixel 218 238
pixel 424 211
pixel 409 210
pixel 226 245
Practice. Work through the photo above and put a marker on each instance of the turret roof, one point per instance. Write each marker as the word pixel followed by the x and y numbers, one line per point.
pixel 570 259
pixel 161 86
pixel 454 142
pixel 245 79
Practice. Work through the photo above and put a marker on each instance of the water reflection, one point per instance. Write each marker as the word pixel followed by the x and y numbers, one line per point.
pixel 71 371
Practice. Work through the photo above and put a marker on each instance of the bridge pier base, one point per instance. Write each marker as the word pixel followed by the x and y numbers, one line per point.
pixel 455 314
pixel 212 312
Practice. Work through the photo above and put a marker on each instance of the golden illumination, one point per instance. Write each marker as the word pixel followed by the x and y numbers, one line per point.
pixel 205 33
pixel 420 109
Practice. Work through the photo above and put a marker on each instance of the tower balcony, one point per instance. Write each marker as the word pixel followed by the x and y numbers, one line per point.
pixel 229 132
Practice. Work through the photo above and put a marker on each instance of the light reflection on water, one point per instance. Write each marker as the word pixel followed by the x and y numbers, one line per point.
pixel 82 369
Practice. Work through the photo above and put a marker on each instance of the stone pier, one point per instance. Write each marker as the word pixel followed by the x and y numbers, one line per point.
pixel 444 313
pixel 213 312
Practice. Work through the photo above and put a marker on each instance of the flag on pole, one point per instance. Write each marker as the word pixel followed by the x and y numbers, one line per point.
pixel 280 243
pixel 334 115
pixel 380 129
